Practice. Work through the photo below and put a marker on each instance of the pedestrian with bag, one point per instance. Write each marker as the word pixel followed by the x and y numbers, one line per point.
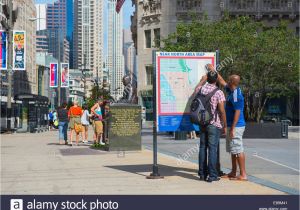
pixel 62 114
pixel 74 114
pixel 207 110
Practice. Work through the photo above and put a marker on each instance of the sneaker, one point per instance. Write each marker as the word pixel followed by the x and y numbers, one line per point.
pixel 101 143
pixel 213 179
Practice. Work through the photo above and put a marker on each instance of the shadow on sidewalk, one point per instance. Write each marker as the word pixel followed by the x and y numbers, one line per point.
pixel 164 170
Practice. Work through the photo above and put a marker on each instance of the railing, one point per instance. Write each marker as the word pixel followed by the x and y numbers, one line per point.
pixel 189 6
pixel 261 6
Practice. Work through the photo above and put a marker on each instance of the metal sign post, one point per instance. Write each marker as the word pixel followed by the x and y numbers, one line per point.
pixel 155 174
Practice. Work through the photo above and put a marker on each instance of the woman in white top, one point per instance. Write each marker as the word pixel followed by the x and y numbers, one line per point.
pixel 85 121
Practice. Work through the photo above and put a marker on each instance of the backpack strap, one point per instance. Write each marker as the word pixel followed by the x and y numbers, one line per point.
pixel 199 92
pixel 209 95
pixel 208 100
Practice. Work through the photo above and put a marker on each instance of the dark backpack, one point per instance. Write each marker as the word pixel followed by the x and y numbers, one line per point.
pixel 201 113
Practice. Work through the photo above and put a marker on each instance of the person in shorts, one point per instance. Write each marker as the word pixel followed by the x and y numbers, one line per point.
pixel 74 115
pixel 85 121
pixel 98 126
pixel 235 126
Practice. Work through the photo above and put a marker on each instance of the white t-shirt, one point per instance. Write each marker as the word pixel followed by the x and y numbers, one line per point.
pixel 85 117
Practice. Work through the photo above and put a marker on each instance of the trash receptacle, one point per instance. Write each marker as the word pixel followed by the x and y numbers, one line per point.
pixel 180 135
pixel 285 128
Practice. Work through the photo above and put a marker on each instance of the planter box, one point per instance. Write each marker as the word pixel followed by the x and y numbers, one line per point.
pixel 263 131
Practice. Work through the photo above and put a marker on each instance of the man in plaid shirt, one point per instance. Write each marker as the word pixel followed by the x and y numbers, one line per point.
pixel 210 135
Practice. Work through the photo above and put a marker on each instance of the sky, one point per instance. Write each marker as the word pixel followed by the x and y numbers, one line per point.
pixel 127 12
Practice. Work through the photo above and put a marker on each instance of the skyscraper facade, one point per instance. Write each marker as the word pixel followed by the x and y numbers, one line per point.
pixel 57 16
pixel 115 59
pixel 26 81
pixel 41 12
pixel 57 29
pixel 129 53
pixel 88 36
pixel 70 29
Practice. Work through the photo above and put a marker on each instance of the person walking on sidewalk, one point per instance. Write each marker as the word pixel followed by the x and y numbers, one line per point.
pixel 74 114
pixel 63 120
pixel 50 119
pixel 98 117
pixel 210 134
pixel 236 126
pixel 85 121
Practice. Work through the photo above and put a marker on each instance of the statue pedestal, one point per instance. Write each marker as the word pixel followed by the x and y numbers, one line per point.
pixel 124 130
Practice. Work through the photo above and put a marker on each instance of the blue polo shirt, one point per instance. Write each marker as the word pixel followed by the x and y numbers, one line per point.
pixel 234 101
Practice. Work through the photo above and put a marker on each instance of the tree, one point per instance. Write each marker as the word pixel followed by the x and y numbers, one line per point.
pixel 266 58
pixel 97 93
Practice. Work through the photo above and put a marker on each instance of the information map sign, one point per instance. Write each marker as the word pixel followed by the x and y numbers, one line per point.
pixel 177 75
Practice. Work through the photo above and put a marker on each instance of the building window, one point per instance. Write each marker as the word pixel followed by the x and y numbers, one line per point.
pixel 149 75
pixel 148 38
pixel 157 37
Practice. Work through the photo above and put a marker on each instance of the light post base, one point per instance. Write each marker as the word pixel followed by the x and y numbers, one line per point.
pixel 154 174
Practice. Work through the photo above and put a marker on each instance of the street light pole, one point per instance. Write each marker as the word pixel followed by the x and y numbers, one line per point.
pixel 84 77
pixel 9 63
pixel 58 69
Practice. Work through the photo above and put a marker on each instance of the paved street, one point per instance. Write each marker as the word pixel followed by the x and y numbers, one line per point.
pixel 36 164
pixel 272 162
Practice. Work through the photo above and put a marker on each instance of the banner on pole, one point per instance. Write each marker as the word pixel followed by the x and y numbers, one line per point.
pixel 19 51
pixel 177 75
pixel 64 76
pixel 53 74
pixel 3 50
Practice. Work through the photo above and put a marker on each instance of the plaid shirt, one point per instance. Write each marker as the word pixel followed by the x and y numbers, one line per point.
pixel 215 99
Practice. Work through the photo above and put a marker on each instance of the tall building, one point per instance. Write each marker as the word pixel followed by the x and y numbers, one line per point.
pixel 26 81
pixel 130 60
pixel 70 29
pixel 23 81
pixel 41 15
pixel 42 43
pixel 156 19
pixel 129 53
pixel 115 59
pixel 57 45
pixel 88 36
pixel 57 29
pixel 57 16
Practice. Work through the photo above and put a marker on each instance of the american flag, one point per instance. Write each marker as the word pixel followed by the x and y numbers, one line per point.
pixel 119 5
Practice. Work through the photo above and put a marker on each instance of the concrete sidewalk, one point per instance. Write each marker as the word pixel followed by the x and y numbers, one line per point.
pixel 35 164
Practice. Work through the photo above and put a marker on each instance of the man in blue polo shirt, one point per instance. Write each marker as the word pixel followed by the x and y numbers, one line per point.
pixel 235 126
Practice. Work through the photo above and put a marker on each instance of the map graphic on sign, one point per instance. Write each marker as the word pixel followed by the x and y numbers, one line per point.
pixel 177 76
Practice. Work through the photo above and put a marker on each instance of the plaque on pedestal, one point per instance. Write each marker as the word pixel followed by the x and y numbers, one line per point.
pixel 124 127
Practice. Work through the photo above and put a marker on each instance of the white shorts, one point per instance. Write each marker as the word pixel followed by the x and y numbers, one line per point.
pixel 235 145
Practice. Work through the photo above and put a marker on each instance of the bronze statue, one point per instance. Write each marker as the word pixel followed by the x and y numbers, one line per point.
pixel 129 93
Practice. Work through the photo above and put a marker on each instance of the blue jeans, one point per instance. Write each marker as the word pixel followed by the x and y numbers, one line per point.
pixel 209 140
pixel 63 130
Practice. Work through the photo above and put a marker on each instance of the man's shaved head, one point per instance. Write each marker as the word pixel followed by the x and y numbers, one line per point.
pixel 234 80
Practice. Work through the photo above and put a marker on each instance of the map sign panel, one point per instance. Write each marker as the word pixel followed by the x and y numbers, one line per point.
pixel 177 75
